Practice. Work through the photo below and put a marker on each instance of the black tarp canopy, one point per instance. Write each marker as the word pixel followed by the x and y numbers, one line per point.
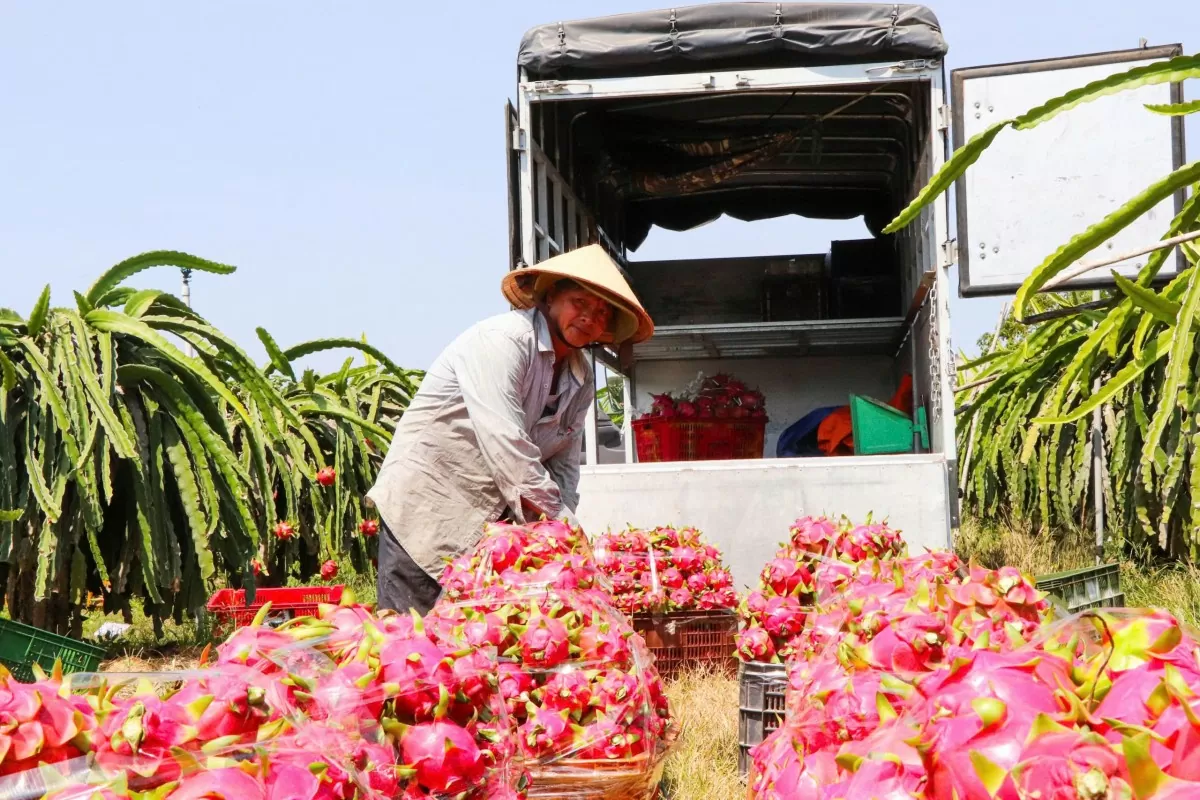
pixel 730 36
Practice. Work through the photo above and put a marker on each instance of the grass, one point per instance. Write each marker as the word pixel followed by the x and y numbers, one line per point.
pixel 704 762
pixel 1145 580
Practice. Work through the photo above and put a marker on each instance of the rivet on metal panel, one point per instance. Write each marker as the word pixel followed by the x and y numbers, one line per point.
pixel 995 249
pixel 982 256
pixel 991 108
pixel 982 245
pixel 977 105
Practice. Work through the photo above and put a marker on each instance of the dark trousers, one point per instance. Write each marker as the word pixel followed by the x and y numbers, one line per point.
pixel 402 585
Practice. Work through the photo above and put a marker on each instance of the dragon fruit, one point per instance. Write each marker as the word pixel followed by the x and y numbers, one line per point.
pixel 1061 763
pixel 416 672
pixel 284 531
pixel 755 644
pixel 567 691
pixel 326 476
pixel 444 756
pixel 225 783
pixel 40 723
pixel 601 642
pixel 545 642
pixel 547 733
pixel 369 527
pixel 329 570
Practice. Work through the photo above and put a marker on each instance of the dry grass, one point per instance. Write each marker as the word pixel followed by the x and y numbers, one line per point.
pixel 703 765
pixel 1146 581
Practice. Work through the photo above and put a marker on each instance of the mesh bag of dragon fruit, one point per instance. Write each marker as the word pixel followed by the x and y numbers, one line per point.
pixel 589 708
pixel 367 705
pixel 551 554
pixel 664 570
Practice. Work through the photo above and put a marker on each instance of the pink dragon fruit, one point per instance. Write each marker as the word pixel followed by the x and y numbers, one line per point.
pixel 813 535
pixel 786 577
pixel 1061 763
pixel 979 712
pixel 671 578
pixel 603 643
pixel 444 756
pixel 755 644
pixel 681 598
pixel 547 733
pixel 225 783
pixel 619 696
pixel 545 642
pixel 40 723
pixel 567 691
pixel 783 617
pixel 416 672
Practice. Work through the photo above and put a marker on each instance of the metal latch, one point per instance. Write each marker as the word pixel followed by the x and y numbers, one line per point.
pixel 943 118
pixel 908 65
pixel 949 253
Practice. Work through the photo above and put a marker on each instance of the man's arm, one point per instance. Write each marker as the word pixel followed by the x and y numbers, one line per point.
pixel 490 372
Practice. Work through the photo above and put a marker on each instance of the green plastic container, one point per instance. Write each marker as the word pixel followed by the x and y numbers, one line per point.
pixel 878 428
pixel 1081 589
pixel 21 646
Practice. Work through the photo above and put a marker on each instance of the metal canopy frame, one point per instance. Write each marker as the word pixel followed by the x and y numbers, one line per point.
pixel 769 339
pixel 880 334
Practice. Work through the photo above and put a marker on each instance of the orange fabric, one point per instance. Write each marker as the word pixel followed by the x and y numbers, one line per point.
pixel 835 434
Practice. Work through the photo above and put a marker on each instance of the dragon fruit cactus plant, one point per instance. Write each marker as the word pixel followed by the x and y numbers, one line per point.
pixel 687 573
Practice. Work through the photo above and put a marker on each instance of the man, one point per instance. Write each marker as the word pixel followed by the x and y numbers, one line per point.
pixel 494 431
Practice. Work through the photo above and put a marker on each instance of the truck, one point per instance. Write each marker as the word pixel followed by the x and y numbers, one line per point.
pixel 676 117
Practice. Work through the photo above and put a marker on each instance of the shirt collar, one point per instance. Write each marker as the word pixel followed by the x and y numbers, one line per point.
pixel 546 345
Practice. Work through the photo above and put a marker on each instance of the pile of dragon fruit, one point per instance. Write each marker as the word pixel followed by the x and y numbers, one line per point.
pixel 524 668
pixel 664 570
pixel 715 397
pixel 343 706
pixel 775 622
pixel 579 684
pixel 921 677
pixel 1104 705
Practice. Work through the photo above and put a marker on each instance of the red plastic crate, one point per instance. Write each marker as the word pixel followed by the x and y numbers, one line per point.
pixel 682 640
pixel 671 439
pixel 229 605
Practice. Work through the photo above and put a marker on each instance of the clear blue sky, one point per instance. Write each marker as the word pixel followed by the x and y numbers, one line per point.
pixel 347 157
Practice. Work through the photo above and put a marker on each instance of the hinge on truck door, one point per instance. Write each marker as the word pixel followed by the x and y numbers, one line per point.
pixel 943 118
pixel 949 254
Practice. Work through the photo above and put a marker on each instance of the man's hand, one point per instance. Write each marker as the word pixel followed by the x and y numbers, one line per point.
pixel 533 512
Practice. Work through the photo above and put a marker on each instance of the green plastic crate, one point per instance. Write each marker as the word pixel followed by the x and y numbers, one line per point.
pixel 878 428
pixel 21 646
pixel 1081 589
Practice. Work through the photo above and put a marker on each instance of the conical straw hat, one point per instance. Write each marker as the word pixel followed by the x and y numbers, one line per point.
pixel 592 268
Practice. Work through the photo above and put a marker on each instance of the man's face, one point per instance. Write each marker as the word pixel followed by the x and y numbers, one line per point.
pixel 580 317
